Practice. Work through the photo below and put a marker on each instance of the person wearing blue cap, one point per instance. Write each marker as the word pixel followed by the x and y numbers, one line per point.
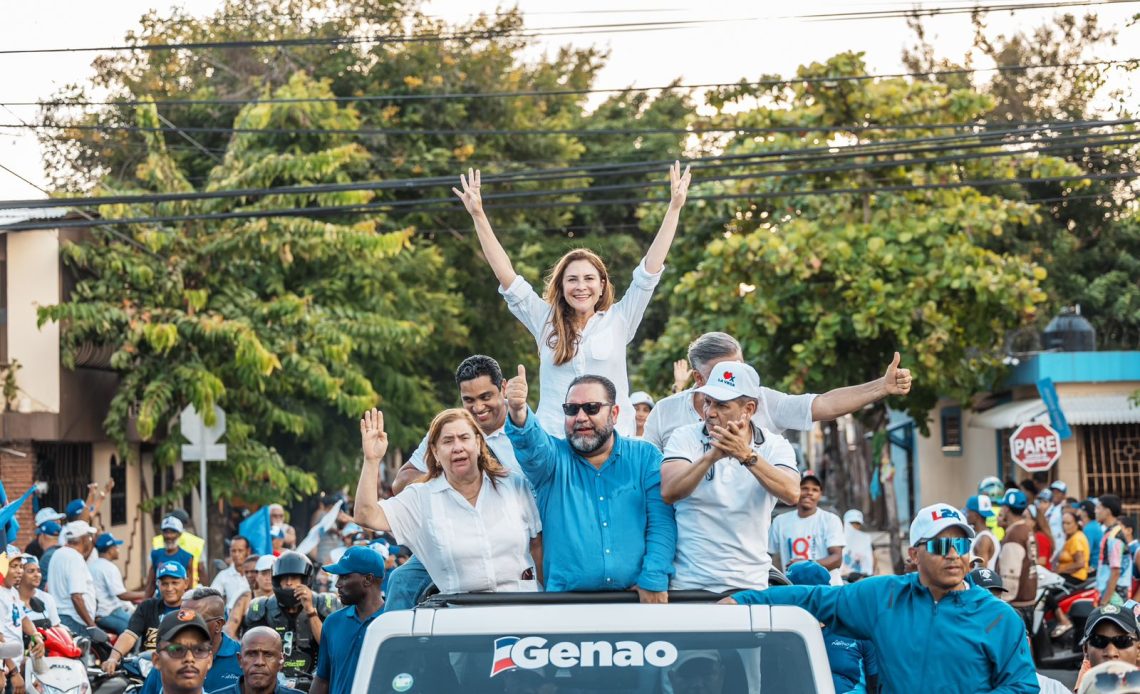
pixel 979 511
pixel 854 664
pixel 931 630
pixel 143 626
pixel 360 572
pixel 113 602
pixel 47 532
pixel 172 530
pixel 1017 560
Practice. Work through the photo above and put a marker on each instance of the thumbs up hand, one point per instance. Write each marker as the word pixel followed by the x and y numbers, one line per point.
pixel 516 391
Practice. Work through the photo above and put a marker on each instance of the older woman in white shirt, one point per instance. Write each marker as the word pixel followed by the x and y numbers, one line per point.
pixel 475 526
pixel 578 327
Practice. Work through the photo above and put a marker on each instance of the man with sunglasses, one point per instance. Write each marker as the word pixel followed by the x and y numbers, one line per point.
pixel 210 606
pixel 605 524
pixel 723 478
pixel 184 654
pixel 1111 635
pixel 969 642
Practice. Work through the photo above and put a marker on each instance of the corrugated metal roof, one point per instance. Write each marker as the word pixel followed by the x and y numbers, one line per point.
pixel 25 214
pixel 1079 410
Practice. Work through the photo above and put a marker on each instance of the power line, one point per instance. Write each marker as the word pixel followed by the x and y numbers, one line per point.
pixel 388 205
pixel 440 96
pixel 875 149
pixel 615 27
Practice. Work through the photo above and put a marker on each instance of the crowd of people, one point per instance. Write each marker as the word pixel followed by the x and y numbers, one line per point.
pixel 597 489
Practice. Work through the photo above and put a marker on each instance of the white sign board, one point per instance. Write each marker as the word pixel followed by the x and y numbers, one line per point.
pixel 203 446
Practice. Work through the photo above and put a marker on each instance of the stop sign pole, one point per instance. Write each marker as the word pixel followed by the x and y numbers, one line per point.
pixel 203 446
pixel 1035 447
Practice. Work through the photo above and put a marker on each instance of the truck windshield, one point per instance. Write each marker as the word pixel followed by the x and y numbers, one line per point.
pixel 645 663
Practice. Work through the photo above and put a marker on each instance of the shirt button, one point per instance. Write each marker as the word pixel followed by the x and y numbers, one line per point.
pixel 605 525
pixel 607 551
pixel 601 498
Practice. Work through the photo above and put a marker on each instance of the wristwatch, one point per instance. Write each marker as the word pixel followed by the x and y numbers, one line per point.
pixel 750 460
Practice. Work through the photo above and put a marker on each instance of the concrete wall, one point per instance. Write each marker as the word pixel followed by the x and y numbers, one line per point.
pixel 135 532
pixel 953 478
pixel 33 281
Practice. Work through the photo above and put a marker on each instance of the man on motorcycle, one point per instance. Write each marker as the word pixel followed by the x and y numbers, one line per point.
pixel 294 613
pixel 184 654
pixel 145 621
pixel 210 606
pixel 14 623
pixel 30 588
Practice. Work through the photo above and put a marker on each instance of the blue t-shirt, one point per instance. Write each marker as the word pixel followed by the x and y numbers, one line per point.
pixel 159 556
pixel 341 638
pixel 224 673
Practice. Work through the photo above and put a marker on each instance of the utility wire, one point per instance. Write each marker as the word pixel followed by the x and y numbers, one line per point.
pixel 443 96
pixel 426 203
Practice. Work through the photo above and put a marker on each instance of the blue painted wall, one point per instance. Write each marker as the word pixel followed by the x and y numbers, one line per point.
pixel 1077 367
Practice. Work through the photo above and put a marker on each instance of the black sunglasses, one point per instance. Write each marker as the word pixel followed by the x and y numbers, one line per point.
pixel 570 409
pixel 1121 642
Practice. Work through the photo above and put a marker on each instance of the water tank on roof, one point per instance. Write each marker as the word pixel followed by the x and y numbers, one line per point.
pixel 1069 332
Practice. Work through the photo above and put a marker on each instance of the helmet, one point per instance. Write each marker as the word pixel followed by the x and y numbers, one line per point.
pixel 290 564
pixel 992 487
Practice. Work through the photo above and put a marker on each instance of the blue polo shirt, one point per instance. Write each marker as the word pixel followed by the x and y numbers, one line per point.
pixel 341 638
pixel 603 528
pixel 158 557
pixel 225 671
pixel 236 688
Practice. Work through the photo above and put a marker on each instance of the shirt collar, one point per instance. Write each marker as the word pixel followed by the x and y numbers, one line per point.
pixel 229 647
pixel 440 484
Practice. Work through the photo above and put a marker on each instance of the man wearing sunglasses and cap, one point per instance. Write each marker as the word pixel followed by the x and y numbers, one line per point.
pixel 605 524
pixel 969 641
pixel 184 654
pixel 1111 635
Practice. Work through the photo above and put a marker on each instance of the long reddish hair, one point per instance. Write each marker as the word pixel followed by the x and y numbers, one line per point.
pixel 564 336
pixel 487 463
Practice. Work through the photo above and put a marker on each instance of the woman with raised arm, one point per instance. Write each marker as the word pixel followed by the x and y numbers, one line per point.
pixel 578 327
pixel 474 526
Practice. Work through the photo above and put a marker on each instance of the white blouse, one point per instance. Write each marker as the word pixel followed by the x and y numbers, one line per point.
pixel 465 548
pixel 601 349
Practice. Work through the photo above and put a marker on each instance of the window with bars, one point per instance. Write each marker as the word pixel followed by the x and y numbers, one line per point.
pixel 1110 462
pixel 951 430
pixel 67 469
pixel 119 493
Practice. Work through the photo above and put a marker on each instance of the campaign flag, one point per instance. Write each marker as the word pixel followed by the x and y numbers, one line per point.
pixel 326 522
pixel 8 525
pixel 256 529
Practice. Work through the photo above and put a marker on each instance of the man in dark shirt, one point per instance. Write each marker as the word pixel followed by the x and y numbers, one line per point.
pixel 261 659
pixel 225 670
pixel 143 627
pixel 183 655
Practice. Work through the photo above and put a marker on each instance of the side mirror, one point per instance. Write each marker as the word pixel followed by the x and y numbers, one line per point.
pixel 37 605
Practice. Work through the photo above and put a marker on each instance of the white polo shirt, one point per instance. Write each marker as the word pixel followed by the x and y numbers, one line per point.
pixel 497 441
pixel 108 585
pixel 722 527
pixel 468 548
pixel 69 574
pixel 232 585
pixel 776 411
pixel 601 347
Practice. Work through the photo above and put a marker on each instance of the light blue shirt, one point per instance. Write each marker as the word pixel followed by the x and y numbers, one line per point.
pixel 604 528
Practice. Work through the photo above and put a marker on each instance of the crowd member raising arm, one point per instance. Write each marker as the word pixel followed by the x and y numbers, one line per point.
pixel 471 523
pixel 576 323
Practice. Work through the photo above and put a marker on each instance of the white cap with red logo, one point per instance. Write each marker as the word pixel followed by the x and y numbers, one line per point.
pixel 934 519
pixel 730 380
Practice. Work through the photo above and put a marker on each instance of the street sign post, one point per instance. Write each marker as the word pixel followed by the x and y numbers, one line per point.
pixel 203 446
pixel 1035 447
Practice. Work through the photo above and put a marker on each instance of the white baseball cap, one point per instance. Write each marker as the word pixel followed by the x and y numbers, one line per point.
pixel 265 562
pixel 48 513
pixel 934 519
pixel 640 397
pixel 730 380
pixel 77 529
pixel 853 516
pixel 172 523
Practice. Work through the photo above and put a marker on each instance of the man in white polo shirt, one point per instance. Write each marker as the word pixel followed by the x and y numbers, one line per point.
pixel 70 581
pixel 723 478
pixel 776 411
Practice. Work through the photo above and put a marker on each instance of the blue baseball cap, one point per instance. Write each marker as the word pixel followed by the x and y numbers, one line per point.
pixel 1015 499
pixel 808 573
pixel 359 559
pixel 106 541
pixel 981 505
pixel 49 528
pixel 172 569
pixel 75 508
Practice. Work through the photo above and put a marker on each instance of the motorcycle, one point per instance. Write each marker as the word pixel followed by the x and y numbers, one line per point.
pixel 61 669
pixel 1077 602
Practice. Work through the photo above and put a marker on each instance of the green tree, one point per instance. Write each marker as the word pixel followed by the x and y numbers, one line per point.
pixel 294 325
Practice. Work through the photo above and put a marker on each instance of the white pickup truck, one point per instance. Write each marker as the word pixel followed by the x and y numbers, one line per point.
pixel 578 643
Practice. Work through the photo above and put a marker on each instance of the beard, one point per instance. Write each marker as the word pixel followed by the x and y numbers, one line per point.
pixel 585 444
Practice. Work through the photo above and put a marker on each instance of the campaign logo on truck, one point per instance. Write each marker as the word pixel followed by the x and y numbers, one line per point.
pixel 534 652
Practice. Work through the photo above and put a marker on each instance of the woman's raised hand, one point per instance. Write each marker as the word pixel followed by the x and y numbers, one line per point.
pixel 470 196
pixel 678 185
pixel 373 438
